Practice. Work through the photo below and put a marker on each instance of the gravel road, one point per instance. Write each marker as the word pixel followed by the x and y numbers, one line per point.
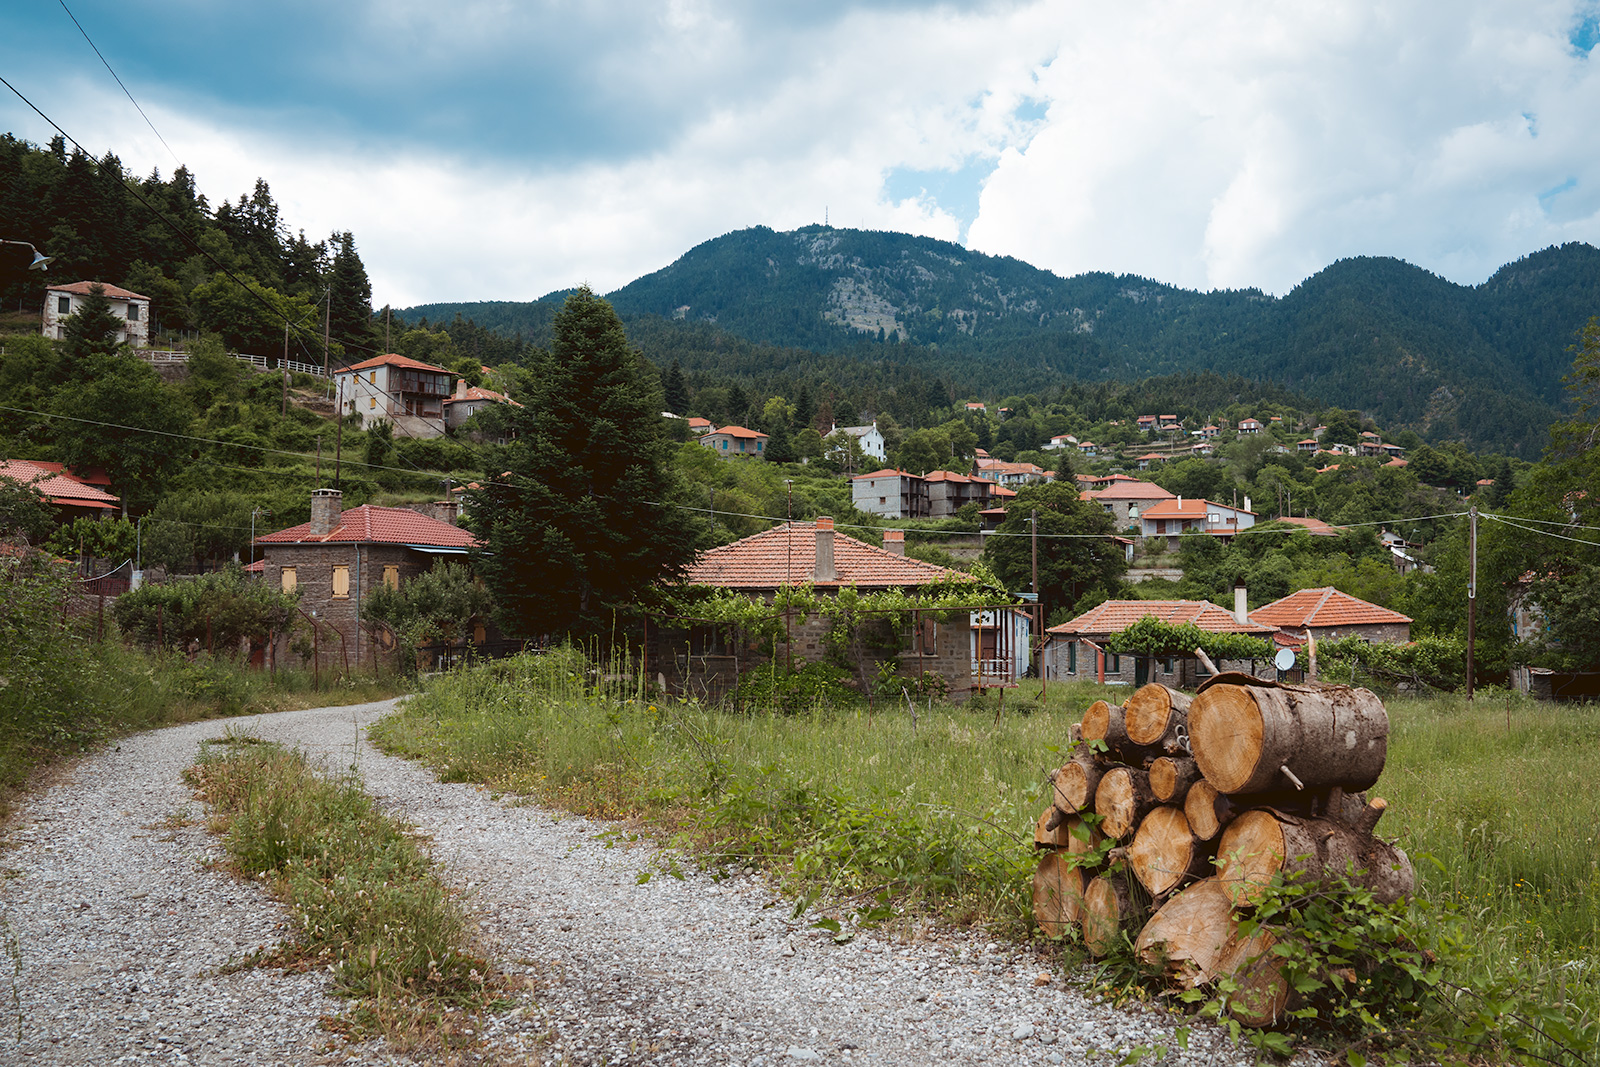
pixel 117 925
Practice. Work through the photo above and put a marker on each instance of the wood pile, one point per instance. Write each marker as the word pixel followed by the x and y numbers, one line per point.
pixel 1175 813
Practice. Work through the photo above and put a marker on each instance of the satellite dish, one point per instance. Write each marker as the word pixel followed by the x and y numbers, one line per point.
pixel 1284 660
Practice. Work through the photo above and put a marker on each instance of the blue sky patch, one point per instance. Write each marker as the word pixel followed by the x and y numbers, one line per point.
pixel 1554 191
pixel 1586 34
pixel 955 191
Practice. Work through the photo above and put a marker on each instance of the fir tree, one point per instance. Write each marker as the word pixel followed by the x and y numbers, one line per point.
pixel 674 390
pixel 350 296
pixel 581 525
pixel 91 335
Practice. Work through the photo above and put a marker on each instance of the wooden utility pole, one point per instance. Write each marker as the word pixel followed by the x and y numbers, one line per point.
pixel 1038 634
pixel 284 368
pixel 1472 591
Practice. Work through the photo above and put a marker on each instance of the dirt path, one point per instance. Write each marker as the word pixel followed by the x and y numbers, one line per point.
pixel 121 928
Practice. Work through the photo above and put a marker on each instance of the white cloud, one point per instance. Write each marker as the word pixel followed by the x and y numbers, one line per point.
pixel 1233 144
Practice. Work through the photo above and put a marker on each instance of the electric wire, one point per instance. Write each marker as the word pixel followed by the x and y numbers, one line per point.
pixel 121 86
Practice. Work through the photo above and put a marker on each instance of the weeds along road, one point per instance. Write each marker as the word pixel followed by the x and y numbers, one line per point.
pixel 119 927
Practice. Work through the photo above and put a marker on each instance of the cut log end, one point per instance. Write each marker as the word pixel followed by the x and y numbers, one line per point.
pixel 1164 853
pixel 1171 778
pixel 1153 712
pixel 1108 909
pixel 1207 810
pixel 1057 894
pixel 1122 799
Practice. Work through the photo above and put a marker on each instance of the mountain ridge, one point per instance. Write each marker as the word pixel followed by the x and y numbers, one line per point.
pixel 1478 363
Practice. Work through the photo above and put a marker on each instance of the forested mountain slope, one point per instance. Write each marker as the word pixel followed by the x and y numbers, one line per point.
pixel 1479 363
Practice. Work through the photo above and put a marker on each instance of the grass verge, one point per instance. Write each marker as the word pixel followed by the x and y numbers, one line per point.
pixel 366 903
pixel 934 817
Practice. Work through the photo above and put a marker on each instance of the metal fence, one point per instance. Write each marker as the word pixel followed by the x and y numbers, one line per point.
pixel 158 356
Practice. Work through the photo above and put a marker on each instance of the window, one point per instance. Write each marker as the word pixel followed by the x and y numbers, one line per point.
pixel 133 312
pixel 759 444
pixel 372 378
pixel 1115 666
pixel 63 305
pixel 372 402
pixel 288 580
pixel 1214 517
pixel 391 576
pixel 883 500
pixel 1072 657
pixel 341 583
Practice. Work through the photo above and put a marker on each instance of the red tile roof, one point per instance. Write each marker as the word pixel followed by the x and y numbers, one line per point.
pixel 1316 527
pixel 737 431
pixel 473 392
pixel 787 555
pixel 57 485
pixel 82 289
pixel 1179 508
pixel 393 360
pixel 1395 462
pixel 1114 616
pixel 369 524
pixel 947 476
pixel 1324 607
pixel 86 475
pixel 1124 488
pixel 998 491
pixel 887 472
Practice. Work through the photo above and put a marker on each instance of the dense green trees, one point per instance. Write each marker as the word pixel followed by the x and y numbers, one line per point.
pixel 580 525
pixel 1078 556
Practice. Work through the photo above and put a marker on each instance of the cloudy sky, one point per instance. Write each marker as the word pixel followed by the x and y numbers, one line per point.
pixel 499 149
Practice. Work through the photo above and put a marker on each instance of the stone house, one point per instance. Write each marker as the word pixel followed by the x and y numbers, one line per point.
pixel 1126 499
pixel 393 388
pixel 1075 650
pixel 468 400
pixel 61 302
pixel 703 660
pixel 1328 614
pixel 948 492
pixel 340 556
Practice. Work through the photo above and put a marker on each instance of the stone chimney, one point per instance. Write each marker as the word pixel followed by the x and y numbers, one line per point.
pixel 825 570
pixel 446 511
pixel 894 541
pixel 1241 604
pixel 326 507
pixel 461 388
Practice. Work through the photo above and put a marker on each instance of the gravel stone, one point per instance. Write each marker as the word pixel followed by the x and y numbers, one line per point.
pixel 123 929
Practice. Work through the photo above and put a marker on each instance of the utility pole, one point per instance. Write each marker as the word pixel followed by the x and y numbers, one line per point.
pixel 1038 634
pixel 1472 591
pixel 284 368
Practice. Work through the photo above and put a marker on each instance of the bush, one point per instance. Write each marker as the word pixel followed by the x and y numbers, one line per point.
pixel 808 687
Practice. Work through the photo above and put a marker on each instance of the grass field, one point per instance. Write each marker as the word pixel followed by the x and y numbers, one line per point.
pixel 935 817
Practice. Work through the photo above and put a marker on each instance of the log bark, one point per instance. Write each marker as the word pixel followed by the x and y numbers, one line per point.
pixel 1154 714
pixel 1109 907
pixel 1057 894
pixel 1244 737
pixel 1164 853
pixel 1207 810
pixel 1122 798
pixel 1262 842
pixel 1070 835
pixel 1076 783
pixel 1195 939
pixel 1171 777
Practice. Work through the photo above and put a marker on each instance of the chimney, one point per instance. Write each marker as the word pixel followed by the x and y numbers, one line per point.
pixel 461 388
pixel 825 571
pixel 1247 502
pixel 326 507
pixel 445 511
pixel 1241 604
pixel 894 541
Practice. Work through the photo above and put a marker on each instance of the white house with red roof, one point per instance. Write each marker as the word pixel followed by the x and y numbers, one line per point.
pixel 339 556
pixel 61 302
pixel 1177 516
pixel 397 389
pixel 735 441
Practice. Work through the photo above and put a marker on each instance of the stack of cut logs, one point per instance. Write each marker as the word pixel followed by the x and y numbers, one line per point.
pixel 1205 799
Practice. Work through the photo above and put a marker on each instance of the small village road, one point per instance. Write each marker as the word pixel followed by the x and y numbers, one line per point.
pixel 118 924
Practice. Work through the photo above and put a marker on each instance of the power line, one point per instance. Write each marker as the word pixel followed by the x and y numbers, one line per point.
pixel 124 88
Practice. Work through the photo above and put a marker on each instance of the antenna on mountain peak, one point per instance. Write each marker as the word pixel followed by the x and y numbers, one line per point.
pixel 825 215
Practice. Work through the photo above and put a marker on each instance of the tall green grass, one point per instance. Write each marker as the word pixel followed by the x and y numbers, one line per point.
pixel 938 815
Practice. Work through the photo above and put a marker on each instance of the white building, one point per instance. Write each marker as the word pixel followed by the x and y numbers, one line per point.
pixel 61 302
pixel 868 437
pixel 395 389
